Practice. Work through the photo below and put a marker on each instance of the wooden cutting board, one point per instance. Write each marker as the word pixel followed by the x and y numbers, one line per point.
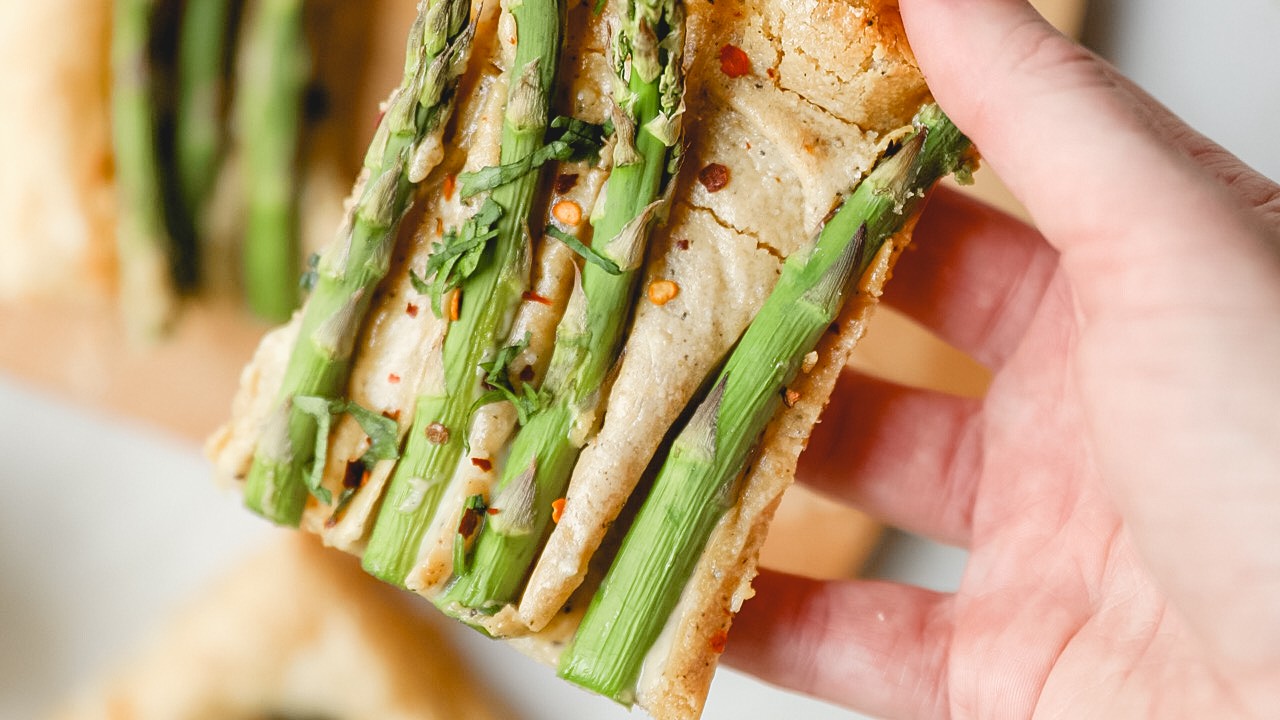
pixel 184 385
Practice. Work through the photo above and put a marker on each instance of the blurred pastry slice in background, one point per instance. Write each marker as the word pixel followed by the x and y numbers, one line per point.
pixel 298 631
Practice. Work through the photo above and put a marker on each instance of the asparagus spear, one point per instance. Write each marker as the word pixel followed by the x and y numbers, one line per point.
pixel 488 297
pixel 700 477
pixel 647 56
pixel 147 290
pixel 277 68
pixel 203 50
pixel 409 132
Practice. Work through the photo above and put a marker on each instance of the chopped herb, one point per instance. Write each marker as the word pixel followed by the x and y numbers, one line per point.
pixel 498 379
pixel 579 140
pixel 384 443
pixel 587 253
pixel 457 255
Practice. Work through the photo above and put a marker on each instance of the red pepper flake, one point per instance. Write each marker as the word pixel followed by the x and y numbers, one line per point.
pixel 482 463
pixel 719 641
pixel 535 297
pixel 392 414
pixel 714 177
pixel 355 475
pixel 455 305
pixel 662 292
pixel 469 523
pixel 772 73
pixel 734 61
pixel 493 511
pixel 439 227
pixel 411 310
pixel 683 244
pixel 393 378
pixel 450 183
pixel 790 397
pixel 557 510
pixel 565 182
pixel 437 433
pixel 568 212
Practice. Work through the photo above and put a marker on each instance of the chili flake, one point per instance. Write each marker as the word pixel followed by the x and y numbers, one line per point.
pixel 734 61
pixel 393 378
pixel 662 292
pixel 469 523
pixel 682 243
pixel 482 463
pixel 719 641
pixel 437 433
pixel 714 177
pixel 455 304
pixel 535 297
pixel 354 476
pixel 565 182
pixel 411 310
pixel 450 184
pixel 557 510
pixel 567 212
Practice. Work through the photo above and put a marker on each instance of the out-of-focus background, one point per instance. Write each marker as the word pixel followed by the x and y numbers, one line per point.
pixel 108 523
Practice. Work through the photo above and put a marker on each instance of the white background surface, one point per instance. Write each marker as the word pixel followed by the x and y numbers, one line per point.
pixel 104 525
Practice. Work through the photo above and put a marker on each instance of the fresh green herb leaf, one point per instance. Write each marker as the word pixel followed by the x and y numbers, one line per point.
pixel 578 140
pixel 384 443
pixel 457 255
pixel 384 436
pixel 497 378
pixel 587 253
pixel 318 408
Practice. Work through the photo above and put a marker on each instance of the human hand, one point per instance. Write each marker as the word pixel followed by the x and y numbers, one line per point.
pixel 1118 486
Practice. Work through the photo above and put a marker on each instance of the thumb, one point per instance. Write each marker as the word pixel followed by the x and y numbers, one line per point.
pixel 1133 216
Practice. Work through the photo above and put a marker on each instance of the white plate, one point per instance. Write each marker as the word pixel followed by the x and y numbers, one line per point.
pixel 105 526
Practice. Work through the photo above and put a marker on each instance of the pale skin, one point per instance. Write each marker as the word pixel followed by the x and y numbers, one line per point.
pixel 1118 486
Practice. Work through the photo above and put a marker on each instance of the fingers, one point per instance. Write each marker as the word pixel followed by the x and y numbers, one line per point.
pixel 910 457
pixel 1135 220
pixel 974 276
pixel 878 647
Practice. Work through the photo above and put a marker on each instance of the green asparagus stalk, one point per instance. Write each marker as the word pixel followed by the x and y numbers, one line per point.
pixel 269 110
pixel 203 51
pixel 487 302
pixel 147 289
pixel 647 57
pixel 439 44
pixel 700 477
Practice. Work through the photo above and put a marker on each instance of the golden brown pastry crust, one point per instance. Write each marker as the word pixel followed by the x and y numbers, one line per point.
pixel 297 631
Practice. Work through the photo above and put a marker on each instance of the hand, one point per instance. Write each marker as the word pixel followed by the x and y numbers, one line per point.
pixel 1119 484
